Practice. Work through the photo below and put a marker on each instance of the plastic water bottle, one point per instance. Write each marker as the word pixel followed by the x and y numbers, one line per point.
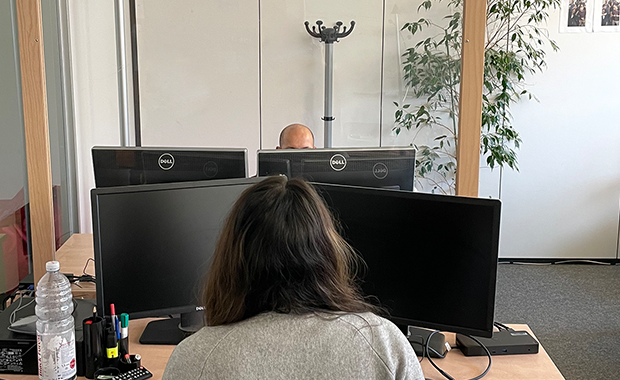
pixel 55 326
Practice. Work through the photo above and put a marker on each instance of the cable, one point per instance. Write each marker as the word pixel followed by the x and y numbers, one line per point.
pixel 501 326
pixel 21 294
pixel 447 375
pixel 86 266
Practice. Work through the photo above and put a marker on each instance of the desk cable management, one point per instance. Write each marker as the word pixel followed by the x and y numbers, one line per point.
pixel 428 350
pixel 84 277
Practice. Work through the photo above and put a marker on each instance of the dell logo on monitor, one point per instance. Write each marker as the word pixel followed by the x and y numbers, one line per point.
pixel 210 169
pixel 166 161
pixel 380 170
pixel 338 162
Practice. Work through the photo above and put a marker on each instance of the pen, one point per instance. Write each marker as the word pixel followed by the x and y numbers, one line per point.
pixel 118 329
pixel 123 343
pixel 124 325
pixel 113 317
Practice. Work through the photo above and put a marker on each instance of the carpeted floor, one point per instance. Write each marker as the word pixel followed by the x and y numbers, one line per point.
pixel 574 310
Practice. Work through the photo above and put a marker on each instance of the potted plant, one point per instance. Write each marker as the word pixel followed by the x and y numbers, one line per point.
pixel 515 47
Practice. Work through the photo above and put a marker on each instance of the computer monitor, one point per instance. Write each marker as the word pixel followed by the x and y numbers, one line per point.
pixel 391 168
pixel 118 166
pixel 153 244
pixel 431 259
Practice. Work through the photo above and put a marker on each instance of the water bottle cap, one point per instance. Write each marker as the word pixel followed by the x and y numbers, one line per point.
pixel 52 266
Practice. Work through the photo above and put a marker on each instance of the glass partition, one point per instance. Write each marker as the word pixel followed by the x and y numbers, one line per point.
pixel 422 84
pixel 214 73
pixel 14 264
pixel 60 123
pixel 15 259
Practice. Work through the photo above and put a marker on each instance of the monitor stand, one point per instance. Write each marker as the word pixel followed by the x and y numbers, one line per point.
pixel 417 336
pixel 172 330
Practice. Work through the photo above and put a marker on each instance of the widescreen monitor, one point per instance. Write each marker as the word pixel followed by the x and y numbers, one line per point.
pixel 118 166
pixel 431 259
pixel 153 244
pixel 391 168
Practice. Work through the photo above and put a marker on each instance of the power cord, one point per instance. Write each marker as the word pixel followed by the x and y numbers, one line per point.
pixel 501 326
pixel 444 373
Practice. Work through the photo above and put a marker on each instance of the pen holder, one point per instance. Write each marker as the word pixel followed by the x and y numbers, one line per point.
pixel 123 347
pixel 135 362
pixel 94 354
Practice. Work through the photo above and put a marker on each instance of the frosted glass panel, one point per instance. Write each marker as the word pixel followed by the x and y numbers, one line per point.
pixel 400 46
pixel 199 84
pixel 293 71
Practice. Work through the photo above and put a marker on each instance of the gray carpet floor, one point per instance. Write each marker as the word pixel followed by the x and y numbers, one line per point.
pixel 574 310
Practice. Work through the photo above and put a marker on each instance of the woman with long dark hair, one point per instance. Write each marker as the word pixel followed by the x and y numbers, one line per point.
pixel 281 299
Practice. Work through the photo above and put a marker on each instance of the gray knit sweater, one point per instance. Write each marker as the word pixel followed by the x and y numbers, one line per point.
pixel 287 346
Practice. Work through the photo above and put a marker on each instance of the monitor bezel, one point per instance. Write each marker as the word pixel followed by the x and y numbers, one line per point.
pixel 491 291
pixel 99 275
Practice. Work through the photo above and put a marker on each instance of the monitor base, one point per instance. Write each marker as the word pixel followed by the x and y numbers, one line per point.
pixel 418 336
pixel 172 330
pixel 163 331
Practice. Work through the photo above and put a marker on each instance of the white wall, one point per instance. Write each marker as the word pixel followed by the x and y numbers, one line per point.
pixel 199 67
pixel 564 201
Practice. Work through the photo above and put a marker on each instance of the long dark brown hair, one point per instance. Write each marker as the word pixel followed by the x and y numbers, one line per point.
pixel 279 251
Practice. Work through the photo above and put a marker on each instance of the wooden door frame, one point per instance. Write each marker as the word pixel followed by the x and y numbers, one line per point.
pixel 36 127
pixel 470 103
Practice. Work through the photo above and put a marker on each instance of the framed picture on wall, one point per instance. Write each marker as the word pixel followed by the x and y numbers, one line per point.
pixel 606 16
pixel 576 16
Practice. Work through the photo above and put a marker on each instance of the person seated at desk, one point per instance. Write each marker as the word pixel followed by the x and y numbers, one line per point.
pixel 296 136
pixel 281 301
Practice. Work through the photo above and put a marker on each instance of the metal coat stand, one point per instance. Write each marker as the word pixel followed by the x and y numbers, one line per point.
pixel 329 36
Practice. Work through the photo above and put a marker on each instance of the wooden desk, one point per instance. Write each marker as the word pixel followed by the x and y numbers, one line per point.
pixel 530 366
pixel 76 251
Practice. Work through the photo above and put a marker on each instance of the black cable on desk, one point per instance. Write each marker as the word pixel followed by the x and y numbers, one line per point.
pixel 444 373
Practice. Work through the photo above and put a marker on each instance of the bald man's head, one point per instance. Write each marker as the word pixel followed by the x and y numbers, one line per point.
pixel 296 136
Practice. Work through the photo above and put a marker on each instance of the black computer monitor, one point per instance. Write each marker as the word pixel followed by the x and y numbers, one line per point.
pixel 153 244
pixel 391 168
pixel 118 166
pixel 431 259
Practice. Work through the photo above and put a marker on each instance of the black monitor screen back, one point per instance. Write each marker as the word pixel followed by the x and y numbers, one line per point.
pixel 153 243
pixel 116 166
pixel 431 259
pixel 391 168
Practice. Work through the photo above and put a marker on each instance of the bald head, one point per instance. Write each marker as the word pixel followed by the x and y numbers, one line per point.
pixel 296 136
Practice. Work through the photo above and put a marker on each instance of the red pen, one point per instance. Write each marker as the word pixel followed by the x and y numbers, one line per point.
pixel 113 316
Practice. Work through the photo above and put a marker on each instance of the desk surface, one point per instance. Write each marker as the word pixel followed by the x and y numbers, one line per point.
pixel 76 251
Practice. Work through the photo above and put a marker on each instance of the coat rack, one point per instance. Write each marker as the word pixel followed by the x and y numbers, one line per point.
pixel 329 36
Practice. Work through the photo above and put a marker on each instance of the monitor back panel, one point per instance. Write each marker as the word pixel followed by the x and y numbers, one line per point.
pixel 139 166
pixel 391 168
pixel 431 259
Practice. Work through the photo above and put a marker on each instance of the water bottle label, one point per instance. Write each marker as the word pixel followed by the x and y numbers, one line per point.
pixel 56 356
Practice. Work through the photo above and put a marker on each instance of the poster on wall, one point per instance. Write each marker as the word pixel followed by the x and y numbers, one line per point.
pixel 606 16
pixel 576 16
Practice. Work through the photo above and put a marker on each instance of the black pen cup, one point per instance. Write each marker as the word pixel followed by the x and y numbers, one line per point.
pixel 123 347
pixel 94 352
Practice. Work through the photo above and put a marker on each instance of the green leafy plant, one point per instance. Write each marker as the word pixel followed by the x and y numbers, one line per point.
pixel 515 47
